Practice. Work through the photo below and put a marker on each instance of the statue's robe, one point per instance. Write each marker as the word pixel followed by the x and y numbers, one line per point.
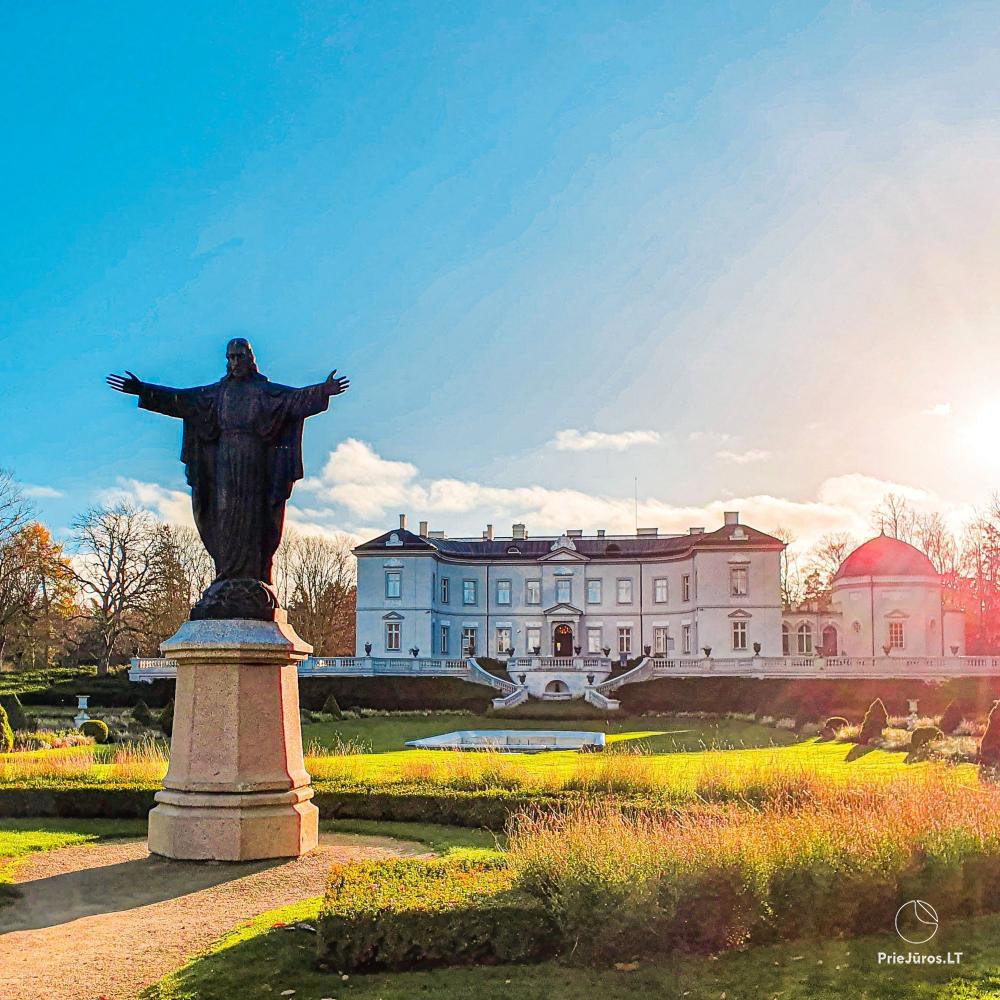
pixel 242 452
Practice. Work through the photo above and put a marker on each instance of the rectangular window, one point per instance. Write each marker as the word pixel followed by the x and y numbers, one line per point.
pixel 394 583
pixel 686 587
pixel 468 591
pixel 445 590
pixel 444 640
pixel 624 591
pixel 625 640
pixel 660 635
pixel 503 639
pixel 532 591
pixel 503 592
pixel 739 635
pixel 685 638
pixel 660 590
pixel 469 641
pixel 534 639
pixel 564 591
pixel 593 640
pixel 391 636
pixel 896 635
pixel 739 581
pixel 593 591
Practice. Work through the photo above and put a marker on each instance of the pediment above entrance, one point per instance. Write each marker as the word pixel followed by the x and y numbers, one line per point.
pixel 562 611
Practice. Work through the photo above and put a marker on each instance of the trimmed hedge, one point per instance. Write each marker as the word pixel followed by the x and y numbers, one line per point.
pixel 922 736
pixel 989 745
pixel 408 914
pixel 804 700
pixel 96 729
pixel 6 733
pixel 399 693
pixel 875 720
pixel 16 715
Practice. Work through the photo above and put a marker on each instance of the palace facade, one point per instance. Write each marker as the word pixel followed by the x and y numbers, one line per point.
pixel 703 593
pixel 574 594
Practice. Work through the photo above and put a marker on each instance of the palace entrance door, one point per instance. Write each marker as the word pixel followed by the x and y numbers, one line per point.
pixel 562 640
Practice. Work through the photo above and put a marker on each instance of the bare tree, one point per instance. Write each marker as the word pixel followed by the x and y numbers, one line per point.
pixel 895 517
pixel 826 556
pixel 195 562
pixel 791 576
pixel 319 580
pixel 119 568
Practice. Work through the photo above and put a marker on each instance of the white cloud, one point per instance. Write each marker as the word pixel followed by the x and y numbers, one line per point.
pixel 938 410
pixel 744 457
pixel 574 440
pixel 363 491
pixel 41 492
pixel 359 493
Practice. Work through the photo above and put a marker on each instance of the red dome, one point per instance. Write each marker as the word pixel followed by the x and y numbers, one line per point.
pixel 885 556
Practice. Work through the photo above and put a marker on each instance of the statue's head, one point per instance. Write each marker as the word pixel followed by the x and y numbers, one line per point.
pixel 240 361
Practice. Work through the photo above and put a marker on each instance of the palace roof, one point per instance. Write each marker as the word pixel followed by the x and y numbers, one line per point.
pixel 611 547
pixel 885 556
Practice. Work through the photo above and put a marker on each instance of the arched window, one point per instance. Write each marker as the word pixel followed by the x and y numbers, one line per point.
pixel 805 639
pixel 786 639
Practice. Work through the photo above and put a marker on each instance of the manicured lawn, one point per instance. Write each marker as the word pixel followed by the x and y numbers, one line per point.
pixel 384 734
pixel 255 957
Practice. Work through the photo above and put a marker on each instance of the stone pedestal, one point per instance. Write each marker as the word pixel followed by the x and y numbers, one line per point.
pixel 236 788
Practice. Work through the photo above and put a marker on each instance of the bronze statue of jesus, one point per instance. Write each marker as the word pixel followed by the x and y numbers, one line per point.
pixel 242 452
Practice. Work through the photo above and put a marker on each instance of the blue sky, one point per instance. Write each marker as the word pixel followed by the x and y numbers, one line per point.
pixel 763 237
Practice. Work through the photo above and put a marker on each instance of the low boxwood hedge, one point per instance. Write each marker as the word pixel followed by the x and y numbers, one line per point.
pixel 406 914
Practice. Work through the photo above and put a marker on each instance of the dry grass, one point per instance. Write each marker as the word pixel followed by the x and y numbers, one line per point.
pixel 627 883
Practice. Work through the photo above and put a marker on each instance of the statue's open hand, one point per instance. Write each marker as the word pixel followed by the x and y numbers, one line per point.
pixel 132 385
pixel 336 384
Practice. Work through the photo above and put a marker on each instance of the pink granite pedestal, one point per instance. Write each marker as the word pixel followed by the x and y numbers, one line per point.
pixel 236 788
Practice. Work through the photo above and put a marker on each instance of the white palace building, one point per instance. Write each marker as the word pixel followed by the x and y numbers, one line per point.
pixel 565 613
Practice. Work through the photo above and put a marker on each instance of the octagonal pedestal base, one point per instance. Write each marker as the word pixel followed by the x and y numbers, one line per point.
pixel 236 788
pixel 199 827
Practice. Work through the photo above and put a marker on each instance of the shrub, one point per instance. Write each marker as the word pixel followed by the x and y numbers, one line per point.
pixel 951 717
pixel 403 914
pixel 96 729
pixel 331 707
pixel 989 745
pixel 16 715
pixel 167 718
pixel 6 733
pixel 142 714
pixel 832 726
pixel 922 737
pixel 875 720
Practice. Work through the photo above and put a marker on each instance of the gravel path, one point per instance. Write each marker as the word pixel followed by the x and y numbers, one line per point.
pixel 110 919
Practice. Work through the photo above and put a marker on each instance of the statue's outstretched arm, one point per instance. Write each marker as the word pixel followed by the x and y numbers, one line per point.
pixel 159 398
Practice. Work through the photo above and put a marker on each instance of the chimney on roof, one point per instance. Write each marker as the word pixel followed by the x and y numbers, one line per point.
pixel 402 521
pixel 696 531
pixel 435 534
pixel 574 532
pixel 732 517
pixel 488 533
pixel 652 532
pixel 518 532
pixel 423 529
pixel 600 532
